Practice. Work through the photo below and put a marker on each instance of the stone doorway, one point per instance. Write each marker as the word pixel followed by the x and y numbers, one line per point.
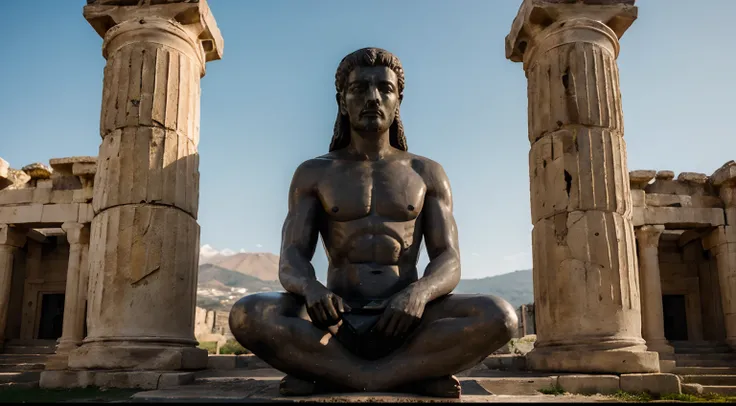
pixel 52 316
pixel 675 317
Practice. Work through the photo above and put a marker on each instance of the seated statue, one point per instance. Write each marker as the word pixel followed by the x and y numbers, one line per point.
pixel 376 326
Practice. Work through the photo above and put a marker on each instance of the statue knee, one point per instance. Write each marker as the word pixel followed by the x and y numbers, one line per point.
pixel 245 318
pixel 498 317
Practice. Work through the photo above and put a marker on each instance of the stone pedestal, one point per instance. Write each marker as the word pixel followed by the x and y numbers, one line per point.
pixel 586 286
pixel 651 289
pixel 10 241
pixel 722 245
pixel 144 235
pixel 77 276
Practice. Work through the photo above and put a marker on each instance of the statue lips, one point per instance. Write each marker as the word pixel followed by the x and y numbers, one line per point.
pixel 371 113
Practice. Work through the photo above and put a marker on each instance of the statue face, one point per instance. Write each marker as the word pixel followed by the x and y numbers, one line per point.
pixel 371 98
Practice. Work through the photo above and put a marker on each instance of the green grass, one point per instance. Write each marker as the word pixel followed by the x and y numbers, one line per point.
pixel 210 346
pixel 681 397
pixel 552 390
pixel 233 347
pixel 89 394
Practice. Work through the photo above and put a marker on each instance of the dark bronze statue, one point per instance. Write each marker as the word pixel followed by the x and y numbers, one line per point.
pixel 376 326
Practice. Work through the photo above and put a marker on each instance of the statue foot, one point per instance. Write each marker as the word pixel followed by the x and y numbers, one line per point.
pixel 291 386
pixel 444 387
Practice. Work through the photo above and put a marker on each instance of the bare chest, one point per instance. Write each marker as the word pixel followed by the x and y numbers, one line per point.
pixel 354 190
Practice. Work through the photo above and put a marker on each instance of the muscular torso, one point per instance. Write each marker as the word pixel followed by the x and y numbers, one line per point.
pixel 370 225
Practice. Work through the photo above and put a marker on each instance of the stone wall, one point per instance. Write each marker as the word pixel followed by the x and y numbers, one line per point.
pixel 211 325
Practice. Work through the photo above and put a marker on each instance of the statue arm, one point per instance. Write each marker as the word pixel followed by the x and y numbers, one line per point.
pixel 299 233
pixel 441 239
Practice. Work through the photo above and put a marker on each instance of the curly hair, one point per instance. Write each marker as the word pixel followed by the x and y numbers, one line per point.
pixel 367 57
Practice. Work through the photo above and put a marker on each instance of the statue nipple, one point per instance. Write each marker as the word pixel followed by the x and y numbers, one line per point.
pixel 335 209
pixel 410 207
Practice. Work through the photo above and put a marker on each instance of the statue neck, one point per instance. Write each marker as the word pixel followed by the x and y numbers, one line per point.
pixel 370 146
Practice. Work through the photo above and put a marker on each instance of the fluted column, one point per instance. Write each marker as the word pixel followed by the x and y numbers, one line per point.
pixel 10 241
pixel 722 244
pixel 75 295
pixel 652 313
pixel 144 235
pixel 586 286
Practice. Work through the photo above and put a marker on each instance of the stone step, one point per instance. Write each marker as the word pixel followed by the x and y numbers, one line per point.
pixel 18 377
pixel 704 370
pixel 19 385
pixel 31 343
pixel 30 350
pixel 706 363
pixel 720 380
pixel 711 350
pixel 707 356
pixel 23 366
pixel 721 390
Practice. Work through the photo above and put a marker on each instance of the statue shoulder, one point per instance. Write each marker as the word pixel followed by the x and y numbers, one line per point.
pixel 310 171
pixel 431 171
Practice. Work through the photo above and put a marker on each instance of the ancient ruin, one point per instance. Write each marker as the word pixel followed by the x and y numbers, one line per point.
pixel 634 272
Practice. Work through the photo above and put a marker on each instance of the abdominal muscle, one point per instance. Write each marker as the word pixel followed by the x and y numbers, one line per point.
pixel 370 270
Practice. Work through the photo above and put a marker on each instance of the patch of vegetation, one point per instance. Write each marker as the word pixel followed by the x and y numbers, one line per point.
pixel 704 398
pixel 233 347
pixel 632 397
pixel 552 390
pixel 210 346
pixel 89 394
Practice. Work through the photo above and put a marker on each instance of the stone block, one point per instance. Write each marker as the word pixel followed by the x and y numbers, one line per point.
pixel 44 184
pixel 66 379
pixel 693 177
pixel 127 379
pixel 589 384
pixel 16 196
pixel 725 174
pixel 506 362
pixel 516 386
pixel 85 213
pixel 678 217
pixel 618 362
pixel 173 379
pixel 638 198
pixel 221 361
pixel 4 178
pixel 31 213
pixel 83 195
pixel 665 175
pixel 38 170
pixel 144 358
pixel 656 383
pixel 692 388
pixel 62 196
pixel 84 168
pixel 42 195
pixel 250 361
pixel 641 178
pixel 60 213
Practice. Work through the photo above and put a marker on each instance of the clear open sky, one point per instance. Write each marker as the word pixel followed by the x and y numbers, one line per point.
pixel 269 103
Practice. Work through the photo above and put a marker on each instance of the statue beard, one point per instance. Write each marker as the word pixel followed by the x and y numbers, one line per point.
pixel 372 127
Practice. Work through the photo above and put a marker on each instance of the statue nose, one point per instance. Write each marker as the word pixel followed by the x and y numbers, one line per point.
pixel 373 94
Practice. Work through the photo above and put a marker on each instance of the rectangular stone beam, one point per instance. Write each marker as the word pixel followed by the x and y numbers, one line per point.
pixel 678 217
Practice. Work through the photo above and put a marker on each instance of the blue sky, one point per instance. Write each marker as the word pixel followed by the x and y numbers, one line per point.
pixel 269 103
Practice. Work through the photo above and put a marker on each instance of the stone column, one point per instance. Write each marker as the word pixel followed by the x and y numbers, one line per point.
pixel 10 241
pixel 144 235
pixel 651 289
pixel 75 299
pixel 722 245
pixel 586 286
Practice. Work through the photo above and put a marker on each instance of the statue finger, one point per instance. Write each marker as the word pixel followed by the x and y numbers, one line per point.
pixel 320 313
pixel 337 301
pixel 404 325
pixel 391 327
pixel 385 317
pixel 330 310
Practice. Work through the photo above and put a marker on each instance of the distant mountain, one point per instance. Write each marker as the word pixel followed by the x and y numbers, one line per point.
pixel 516 287
pixel 214 276
pixel 261 265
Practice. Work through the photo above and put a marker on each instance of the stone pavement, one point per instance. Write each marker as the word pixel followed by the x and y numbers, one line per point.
pixel 265 389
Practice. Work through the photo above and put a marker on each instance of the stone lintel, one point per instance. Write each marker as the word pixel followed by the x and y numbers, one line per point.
pixel 12 236
pixel 193 14
pixel 679 217
pixel 725 175
pixel 535 15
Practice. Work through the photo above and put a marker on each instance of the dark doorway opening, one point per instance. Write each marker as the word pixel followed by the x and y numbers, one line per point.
pixel 675 317
pixel 52 316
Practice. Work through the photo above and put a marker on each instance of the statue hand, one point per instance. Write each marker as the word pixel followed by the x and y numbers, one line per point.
pixel 404 310
pixel 324 307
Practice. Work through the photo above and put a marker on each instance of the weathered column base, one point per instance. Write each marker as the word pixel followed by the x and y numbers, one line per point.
pixel 661 346
pixel 138 356
pixel 114 379
pixel 580 360
pixel 60 359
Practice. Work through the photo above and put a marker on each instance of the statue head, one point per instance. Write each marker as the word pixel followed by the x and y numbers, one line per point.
pixel 367 63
